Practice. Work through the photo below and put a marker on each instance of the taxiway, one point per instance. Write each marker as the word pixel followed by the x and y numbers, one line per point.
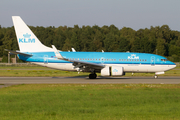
pixel 7 81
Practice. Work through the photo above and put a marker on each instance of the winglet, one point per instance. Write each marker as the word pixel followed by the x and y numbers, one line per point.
pixel 58 55
pixel 73 50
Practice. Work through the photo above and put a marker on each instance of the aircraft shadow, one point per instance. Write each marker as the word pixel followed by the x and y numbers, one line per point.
pixel 120 78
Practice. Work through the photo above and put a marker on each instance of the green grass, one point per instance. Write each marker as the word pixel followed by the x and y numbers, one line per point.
pixel 39 73
pixel 21 66
pixel 90 102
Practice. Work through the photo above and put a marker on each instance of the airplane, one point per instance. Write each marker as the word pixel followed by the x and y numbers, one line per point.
pixel 106 63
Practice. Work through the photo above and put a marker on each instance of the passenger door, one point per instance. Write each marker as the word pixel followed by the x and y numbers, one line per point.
pixel 152 60
pixel 45 59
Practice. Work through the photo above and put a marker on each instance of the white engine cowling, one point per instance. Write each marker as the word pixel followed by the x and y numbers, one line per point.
pixel 112 71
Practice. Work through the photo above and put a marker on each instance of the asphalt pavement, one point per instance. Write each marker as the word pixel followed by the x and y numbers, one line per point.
pixel 8 81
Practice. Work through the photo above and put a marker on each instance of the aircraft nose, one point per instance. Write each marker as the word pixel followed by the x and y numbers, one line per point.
pixel 173 66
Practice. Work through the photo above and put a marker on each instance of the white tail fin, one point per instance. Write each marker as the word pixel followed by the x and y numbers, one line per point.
pixel 27 41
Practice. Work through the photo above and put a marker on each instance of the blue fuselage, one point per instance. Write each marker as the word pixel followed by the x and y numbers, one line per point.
pixel 99 58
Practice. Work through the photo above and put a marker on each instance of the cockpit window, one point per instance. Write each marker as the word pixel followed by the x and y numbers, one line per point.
pixel 164 60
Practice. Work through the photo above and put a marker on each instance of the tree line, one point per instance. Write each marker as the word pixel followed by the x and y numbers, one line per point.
pixel 159 40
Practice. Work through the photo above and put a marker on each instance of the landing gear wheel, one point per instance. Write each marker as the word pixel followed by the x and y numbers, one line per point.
pixel 155 76
pixel 92 76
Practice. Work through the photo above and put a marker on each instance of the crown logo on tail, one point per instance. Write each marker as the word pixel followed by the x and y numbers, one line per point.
pixel 27 35
pixel 27 39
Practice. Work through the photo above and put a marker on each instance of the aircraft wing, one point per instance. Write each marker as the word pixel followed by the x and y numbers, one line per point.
pixel 20 53
pixel 78 63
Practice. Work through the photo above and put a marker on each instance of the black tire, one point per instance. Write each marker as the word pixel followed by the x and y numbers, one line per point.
pixel 92 76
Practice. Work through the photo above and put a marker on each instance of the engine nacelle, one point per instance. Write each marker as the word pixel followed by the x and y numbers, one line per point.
pixel 112 71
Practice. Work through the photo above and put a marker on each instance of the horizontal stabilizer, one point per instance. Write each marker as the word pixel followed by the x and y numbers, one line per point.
pixel 20 53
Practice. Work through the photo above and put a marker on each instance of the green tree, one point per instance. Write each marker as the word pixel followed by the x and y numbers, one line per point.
pixel 124 45
pixel 59 37
pixel 86 38
pixel 97 42
pixel 160 47
pixel 111 42
pixel 67 46
pixel 174 50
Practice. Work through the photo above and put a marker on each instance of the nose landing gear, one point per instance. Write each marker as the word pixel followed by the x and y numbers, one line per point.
pixel 155 76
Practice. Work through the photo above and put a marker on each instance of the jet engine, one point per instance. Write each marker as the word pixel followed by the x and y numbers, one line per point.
pixel 112 71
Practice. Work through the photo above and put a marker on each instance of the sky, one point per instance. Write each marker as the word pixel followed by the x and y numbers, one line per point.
pixel 136 14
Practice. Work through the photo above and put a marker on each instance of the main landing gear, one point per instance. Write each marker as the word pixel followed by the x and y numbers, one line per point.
pixel 92 76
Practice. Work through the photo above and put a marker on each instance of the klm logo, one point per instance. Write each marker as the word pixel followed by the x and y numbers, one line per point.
pixel 27 39
pixel 115 70
pixel 133 56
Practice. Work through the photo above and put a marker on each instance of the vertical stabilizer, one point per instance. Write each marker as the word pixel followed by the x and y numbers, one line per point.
pixel 26 39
